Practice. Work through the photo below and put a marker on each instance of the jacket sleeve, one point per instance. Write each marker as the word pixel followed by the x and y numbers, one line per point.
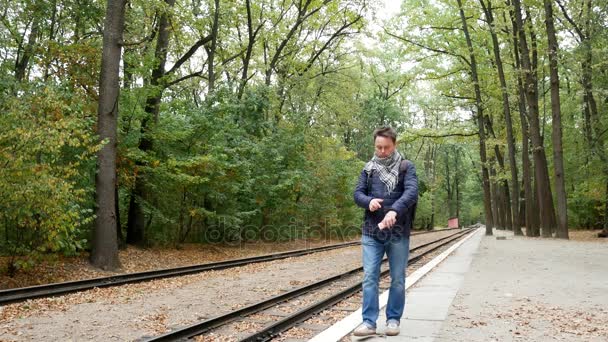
pixel 361 197
pixel 410 191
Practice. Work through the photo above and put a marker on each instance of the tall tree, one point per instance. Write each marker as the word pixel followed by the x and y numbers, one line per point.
pixel 543 185
pixel 304 11
pixel 25 54
pixel 480 123
pixel 558 159
pixel 507 113
pixel 136 219
pixel 530 217
pixel 136 222
pixel 211 50
pixel 252 34
pixel 104 253
pixel 594 130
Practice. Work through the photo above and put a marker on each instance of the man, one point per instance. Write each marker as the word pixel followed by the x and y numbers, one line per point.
pixel 388 190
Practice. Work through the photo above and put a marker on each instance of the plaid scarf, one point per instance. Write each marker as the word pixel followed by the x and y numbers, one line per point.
pixel 387 168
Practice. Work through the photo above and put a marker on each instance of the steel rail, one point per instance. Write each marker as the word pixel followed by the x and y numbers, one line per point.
pixel 55 289
pixel 215 322
pixel 275 329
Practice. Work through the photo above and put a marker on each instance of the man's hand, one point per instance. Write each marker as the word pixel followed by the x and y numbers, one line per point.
pixel 389 220
pixel 375 204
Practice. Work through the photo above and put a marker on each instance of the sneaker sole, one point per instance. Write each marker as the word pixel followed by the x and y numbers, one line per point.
pixel 364 334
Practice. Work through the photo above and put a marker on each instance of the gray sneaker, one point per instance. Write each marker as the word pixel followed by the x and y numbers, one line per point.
pixel 392 328
pixel 364 330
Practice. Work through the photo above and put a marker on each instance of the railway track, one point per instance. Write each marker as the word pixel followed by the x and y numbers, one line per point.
pixel 55 289
pixel 349 283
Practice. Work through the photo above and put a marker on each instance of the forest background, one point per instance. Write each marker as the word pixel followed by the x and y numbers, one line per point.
pixel 251 120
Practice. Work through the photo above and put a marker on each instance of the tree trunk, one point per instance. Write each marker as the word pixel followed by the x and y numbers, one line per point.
pixel 508 122
pixel 522 205
pixel 429 169
pixel 536 206
pixel 104 253
pixel 495 199
pixel 251 36
pixel 136 219
pixel 528 222
pixel 211 50
pixel 433 192
pixel 457 185
pixel 507 206
pixel 136 222
pixel 51 38
pixel 503 207
pixel 482 135
pixel 22 63
pixel 558 159
pixel 605 229
pixel 544 196
pixel 531 227
pixel 119 235
pixel 448 187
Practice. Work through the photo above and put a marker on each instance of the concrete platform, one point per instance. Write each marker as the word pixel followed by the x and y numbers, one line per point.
pixel 429 300
pixel 505 288
pixel 532 289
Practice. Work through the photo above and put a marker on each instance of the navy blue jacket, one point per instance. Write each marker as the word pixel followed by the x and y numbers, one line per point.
pixel 402 200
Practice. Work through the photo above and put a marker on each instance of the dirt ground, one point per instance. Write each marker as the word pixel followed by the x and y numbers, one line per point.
pixel 586 235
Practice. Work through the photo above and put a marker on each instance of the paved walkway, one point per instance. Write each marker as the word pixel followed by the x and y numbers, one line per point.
pixel 428 302
pixel 532 289
pixel 516 289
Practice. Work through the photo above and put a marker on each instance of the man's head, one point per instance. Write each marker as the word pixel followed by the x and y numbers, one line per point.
pixel 385 141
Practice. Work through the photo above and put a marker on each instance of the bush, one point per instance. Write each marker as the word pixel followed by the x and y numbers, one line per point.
pixel 47 157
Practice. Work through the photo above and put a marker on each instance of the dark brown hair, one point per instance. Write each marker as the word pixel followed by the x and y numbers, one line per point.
pixel 387 132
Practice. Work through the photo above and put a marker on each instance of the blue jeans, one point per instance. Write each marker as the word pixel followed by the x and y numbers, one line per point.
pixel 397 250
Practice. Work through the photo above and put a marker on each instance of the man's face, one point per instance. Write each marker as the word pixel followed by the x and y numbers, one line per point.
pixel 384 147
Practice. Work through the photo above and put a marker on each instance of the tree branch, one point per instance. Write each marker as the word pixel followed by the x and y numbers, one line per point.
pixel 446 135
pixel 399 88
pixel 183 78
pixel 229 59
pixel 459 97
pixel 189 53
pixel 441 76
pixel 569 19
pixel 328 42
pixel 447 28
pixel 445 52
pixel 144 40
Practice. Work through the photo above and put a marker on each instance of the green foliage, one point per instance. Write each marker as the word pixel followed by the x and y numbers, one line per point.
pixel 46 156
pixel 222 173
pixel 278 160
